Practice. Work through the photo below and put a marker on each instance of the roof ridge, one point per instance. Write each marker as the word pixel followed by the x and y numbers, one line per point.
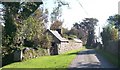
pixel 57 35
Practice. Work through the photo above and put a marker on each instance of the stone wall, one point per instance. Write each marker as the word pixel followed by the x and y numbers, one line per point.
pixel 72 45
pixel 29 53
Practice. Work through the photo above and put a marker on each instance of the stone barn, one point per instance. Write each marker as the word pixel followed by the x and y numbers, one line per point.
pixel 57 41
pixel 60 44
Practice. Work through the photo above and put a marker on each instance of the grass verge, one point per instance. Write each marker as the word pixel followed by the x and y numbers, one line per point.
pixel 57 61
pixel 110 57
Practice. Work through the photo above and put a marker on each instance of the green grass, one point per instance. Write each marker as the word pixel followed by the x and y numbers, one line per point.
pixel 110 57
pixel 57 61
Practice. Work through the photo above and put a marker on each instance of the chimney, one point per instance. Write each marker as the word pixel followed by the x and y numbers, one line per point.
pixel 59 31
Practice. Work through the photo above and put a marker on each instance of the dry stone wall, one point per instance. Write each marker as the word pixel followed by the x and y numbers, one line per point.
pixel 64 46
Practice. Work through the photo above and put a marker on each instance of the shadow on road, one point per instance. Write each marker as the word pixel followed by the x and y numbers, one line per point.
pixel 102 62
pixel 86 52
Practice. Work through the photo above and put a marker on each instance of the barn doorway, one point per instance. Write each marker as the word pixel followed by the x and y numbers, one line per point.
pixel 54 49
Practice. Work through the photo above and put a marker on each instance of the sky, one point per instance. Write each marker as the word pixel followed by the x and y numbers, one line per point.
pixel 99 9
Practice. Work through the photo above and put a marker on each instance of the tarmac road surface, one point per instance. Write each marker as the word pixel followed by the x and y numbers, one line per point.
pixel 90 59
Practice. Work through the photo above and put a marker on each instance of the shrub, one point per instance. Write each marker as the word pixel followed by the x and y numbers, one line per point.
pixel 29 53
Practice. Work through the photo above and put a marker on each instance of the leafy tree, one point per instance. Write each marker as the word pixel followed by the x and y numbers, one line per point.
pixel 89 24
pixel 115 20
pixel 56 13
pixel 34 29
pixel 76 25
pixel 65 32
pixel 56 25
pixel 109 33
pixel 85 30
pixel 29 32
pixel 81 31
pixel 15 13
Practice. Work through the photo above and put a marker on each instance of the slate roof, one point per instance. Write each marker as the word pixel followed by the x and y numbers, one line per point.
pixel 77 40
pixel 58 36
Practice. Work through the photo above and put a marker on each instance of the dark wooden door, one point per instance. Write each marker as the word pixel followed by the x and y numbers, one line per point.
pixel 54 49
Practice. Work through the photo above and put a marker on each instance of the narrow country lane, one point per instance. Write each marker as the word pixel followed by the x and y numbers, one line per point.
pixel 90 59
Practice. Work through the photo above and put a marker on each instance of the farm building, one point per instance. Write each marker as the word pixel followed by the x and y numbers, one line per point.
pixel 57 40
pixel 60 44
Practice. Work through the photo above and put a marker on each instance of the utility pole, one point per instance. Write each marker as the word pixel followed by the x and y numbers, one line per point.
pixel 99 36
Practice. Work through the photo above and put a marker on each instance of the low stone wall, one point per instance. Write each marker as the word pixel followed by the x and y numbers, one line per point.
pixel 72 45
